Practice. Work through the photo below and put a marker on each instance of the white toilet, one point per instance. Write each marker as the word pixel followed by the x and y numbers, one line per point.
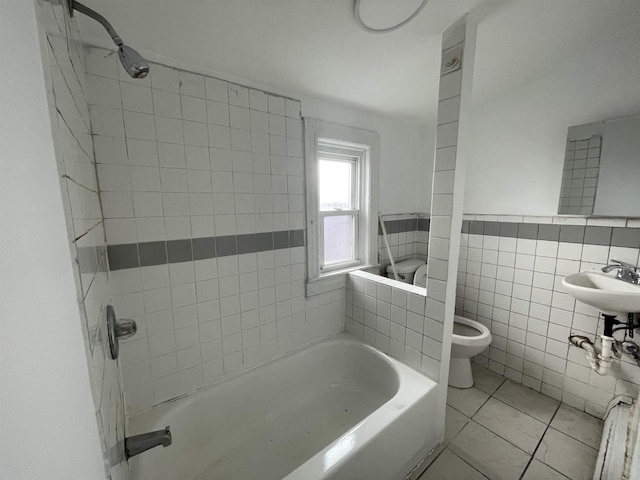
pixel 420 277
pixel 469 339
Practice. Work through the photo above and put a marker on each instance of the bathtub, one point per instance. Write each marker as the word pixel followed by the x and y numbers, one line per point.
pixel 338 409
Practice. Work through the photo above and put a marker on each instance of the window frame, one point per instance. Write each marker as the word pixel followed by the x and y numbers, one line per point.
pixel 354 156
pixel 318 134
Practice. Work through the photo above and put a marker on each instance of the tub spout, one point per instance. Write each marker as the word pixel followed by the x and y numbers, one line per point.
pixel 143 442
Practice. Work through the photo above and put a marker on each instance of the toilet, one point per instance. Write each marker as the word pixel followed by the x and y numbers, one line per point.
pixel 406 270
pixel 420 277
pixel 469 339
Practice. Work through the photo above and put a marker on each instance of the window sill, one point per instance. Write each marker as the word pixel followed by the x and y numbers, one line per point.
pixel 334 280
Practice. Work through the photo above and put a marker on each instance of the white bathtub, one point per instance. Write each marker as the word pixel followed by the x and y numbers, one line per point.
pixel 335 410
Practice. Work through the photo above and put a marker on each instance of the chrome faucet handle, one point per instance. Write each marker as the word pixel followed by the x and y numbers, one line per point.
pixel 624 264
pixel 626 271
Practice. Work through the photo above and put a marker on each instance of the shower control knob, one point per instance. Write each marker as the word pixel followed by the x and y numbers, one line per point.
pixel 118 329
pixel 126 328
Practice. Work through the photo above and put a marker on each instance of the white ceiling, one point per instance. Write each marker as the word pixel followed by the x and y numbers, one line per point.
pixel 299 47
pixel 315 48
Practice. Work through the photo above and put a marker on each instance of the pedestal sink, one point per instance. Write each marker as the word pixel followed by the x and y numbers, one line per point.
pixel 605 292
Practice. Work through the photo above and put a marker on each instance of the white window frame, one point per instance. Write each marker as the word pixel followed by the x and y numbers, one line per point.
pixel 366 144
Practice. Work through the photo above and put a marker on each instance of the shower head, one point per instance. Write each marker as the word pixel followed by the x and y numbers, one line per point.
pixel 132 61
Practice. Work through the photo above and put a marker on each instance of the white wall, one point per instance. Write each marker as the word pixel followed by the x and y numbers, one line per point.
pixel 517 147
pixel 48 421
pixel 406 153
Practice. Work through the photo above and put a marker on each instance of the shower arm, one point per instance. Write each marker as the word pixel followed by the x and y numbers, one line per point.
pixel 73 5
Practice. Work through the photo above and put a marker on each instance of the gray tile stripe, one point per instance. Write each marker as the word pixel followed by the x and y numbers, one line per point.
pixel 608 236
pixel 408 225
pixel 146 254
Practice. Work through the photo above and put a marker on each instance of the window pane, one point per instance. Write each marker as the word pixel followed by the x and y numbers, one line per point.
pixel 339 239
pixel 335 185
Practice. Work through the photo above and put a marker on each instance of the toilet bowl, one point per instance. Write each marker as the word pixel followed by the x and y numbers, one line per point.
pixel 420 277
pixel 469 339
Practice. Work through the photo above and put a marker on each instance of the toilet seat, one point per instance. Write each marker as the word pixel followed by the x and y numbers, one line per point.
pixel 420 277
pixel 482 337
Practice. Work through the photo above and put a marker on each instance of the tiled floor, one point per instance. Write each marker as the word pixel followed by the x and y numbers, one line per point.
pixel 501 430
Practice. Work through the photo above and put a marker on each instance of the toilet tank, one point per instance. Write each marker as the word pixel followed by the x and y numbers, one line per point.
pixel 406 269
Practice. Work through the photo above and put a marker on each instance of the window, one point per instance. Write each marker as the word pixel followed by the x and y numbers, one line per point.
pixel 342 199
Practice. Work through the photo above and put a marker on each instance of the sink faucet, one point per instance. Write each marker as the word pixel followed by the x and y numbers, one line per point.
pixel 143 442
pixel 626 271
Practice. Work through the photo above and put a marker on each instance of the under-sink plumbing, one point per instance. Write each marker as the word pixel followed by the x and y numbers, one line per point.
pixel 600 362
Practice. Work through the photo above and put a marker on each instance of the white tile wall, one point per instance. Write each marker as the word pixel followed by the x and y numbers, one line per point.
pixel 390 315
pixel 513 287
pixel 199 157
pixel 67 86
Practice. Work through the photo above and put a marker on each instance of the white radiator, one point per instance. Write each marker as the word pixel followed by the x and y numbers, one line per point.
pixel 619 455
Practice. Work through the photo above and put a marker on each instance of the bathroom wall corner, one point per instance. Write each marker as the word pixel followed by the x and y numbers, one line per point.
pixel 458 45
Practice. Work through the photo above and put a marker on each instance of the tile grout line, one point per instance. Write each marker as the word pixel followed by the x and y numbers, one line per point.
pixel 539 442
pixel 466 423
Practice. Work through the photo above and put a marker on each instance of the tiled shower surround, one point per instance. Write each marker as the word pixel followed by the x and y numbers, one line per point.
pixel 509 279
pixel 408 236
pixel 67 87
pixel 202 192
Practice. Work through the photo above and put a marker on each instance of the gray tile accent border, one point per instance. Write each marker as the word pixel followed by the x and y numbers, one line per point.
pixel 598 235
pixel 592 235
pixel 424 224
pixel 626 237
pixel 528 231
pixel 405 225
pixel 492 228
pixel 476 227
pixel 549 232
pixel 509 230
pixel 179 251
pixel 264 242
pixel 146 254
pixel 572 233
pixel 151 253
pixel 226 246
pixel 296 238
pixel 280 240
pixel 123 256
pixel 204 248
pixel 246 243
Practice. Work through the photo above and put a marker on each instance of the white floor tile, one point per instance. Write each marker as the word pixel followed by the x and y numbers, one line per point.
pixel 448 466
pixel 539 471
pixel 466 400
pixel 454 421
pixel 567 455
pixel 486 380
pixel 579 425
pixel 488 453
pixel 519 428
pixel 529 401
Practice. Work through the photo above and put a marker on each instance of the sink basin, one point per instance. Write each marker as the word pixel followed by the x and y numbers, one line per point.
pixel 608 294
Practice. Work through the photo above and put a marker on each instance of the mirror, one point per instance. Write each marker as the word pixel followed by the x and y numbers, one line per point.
pixel 601 174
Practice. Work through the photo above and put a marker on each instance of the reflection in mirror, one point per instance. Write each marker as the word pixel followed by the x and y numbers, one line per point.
pixel 601 171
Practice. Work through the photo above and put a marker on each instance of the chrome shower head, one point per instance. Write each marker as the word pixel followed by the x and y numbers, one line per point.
pixel 132 61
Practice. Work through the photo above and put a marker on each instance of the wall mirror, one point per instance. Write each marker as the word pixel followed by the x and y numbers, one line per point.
pixel 601 174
